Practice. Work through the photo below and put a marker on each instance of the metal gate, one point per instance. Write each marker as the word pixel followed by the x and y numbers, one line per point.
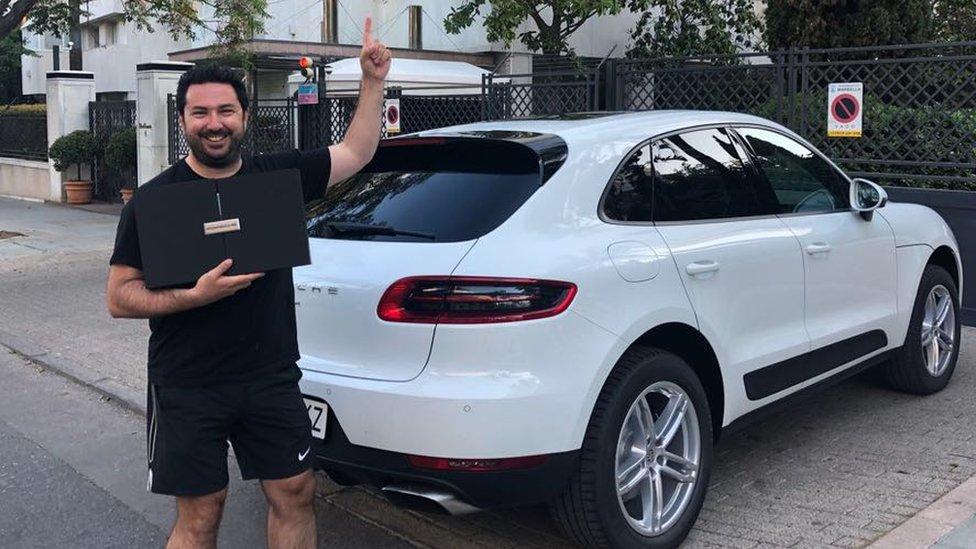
pixel 105 119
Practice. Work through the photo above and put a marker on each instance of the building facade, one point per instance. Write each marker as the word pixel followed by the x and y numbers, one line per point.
pixel 111 48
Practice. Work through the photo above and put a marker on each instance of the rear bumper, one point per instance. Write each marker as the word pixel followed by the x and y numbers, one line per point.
pixel 515 389
pixel 349 463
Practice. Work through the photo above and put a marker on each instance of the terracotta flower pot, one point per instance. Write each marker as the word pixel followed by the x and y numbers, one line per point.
pixel 79 192
pixel 126 195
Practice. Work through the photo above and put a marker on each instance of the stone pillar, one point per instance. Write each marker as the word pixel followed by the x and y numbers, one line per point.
pixel 516 63
pixel 68 95
pixel 154 81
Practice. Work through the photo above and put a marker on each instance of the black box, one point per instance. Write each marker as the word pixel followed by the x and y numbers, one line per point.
pixel 186 229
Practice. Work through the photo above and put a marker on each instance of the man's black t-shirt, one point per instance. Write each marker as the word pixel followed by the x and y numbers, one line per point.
pixel 241 336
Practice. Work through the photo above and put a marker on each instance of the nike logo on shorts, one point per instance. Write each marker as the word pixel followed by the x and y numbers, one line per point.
pixel 302 455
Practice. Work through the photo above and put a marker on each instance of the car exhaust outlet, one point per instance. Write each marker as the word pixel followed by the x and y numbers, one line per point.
pixel 426 498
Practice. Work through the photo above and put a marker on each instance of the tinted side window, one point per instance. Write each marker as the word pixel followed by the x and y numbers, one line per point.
pixel 699 175
pixel 802 180
pixel 629 196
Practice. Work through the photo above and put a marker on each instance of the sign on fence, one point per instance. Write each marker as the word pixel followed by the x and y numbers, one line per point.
pixel 392 110
pixel 844 109
pixel 308 94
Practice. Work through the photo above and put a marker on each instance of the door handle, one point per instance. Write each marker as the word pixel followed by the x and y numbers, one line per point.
pixel 701 267
pixel 818 248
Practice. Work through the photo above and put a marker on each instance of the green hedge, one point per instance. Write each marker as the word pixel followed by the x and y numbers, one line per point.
pixel 120 152
pixel 77 148
pixel 21 110
pixel 893 132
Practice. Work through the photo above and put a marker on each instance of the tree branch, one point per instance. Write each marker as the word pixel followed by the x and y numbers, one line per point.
pixel 10 21
pixel 535 15
pixel 571 27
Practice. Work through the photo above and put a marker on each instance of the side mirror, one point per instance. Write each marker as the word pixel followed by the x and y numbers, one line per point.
pixel 866 197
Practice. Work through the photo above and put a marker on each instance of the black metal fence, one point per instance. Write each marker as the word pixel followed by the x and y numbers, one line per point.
pixel 105 119
pixel 274 125
pixel 278 124
pixel 24 136
pixel 919 112
pixel 437 107
pixel 526 96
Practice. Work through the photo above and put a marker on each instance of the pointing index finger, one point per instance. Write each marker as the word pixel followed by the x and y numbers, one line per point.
pixel 368 31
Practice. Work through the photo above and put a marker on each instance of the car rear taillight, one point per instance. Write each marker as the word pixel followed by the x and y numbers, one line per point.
pixel 476 465
pixel 473 300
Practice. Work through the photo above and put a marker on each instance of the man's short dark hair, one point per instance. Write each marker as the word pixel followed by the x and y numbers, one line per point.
pixel 205 74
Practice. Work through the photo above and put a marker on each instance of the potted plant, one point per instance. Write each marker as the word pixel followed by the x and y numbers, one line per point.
pixel 74 149
pixel 120 156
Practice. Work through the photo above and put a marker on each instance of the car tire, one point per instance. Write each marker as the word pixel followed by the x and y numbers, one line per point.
pixel 911 369
pixel 590 511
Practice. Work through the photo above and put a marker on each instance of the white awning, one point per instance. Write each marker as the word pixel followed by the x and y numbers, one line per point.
pixel 422 76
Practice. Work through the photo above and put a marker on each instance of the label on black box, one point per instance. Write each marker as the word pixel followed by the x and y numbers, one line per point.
pixel 222 226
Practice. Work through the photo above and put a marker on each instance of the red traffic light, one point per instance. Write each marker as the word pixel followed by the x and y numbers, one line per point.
pixel 305 62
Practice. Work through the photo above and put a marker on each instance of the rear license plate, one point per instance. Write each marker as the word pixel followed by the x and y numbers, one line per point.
pixel 318 413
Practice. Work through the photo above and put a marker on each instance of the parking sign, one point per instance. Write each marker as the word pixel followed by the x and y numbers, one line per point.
pixel 392 113
pixel 845 109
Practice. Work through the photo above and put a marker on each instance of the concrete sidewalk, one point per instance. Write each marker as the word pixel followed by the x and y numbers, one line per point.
pixel 52 292
pixel 52 230
pixel 842 469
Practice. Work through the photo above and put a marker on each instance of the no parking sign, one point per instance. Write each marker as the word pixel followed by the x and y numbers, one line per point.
pixel 392 115
pixel 845 106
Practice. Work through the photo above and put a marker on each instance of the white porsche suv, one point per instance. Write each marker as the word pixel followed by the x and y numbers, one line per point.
pixel 571 310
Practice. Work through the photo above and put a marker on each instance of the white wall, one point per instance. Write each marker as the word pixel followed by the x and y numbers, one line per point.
pixel 599 35
pixel 24 178
pixel 115 65
pixel 272 85
pixel 33 70
pixel 301 20
pixel 101 8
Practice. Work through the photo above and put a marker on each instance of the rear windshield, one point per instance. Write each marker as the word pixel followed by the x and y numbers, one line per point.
pixel 439 192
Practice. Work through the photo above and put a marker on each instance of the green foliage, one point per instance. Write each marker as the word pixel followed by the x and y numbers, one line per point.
pixel 39 109
pixel 77 148
pixel 11 48
pixel 51 16
pixel 681 28
pixel 120 152
pixel 555 20
pixel 848 23
pixel 932 133
pixel 955 20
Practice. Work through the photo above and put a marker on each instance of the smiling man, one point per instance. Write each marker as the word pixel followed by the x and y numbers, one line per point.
pixel 222 353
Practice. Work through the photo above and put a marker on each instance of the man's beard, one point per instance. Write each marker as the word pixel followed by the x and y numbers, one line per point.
pixel 196 143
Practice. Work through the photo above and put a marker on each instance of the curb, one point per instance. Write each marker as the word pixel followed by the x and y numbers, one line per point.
pixel 935 522
pixel 126 397
pixel 101 208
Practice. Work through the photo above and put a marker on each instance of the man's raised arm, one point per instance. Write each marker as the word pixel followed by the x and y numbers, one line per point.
pixel 358 146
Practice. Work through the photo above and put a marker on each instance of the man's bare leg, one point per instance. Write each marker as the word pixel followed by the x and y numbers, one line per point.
pixel 197 521
pixel 291 511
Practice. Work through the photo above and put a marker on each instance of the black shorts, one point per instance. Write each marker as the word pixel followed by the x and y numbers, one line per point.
pixel 188 429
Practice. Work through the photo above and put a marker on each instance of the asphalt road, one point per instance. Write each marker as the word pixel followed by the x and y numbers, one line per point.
pixel 72 474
